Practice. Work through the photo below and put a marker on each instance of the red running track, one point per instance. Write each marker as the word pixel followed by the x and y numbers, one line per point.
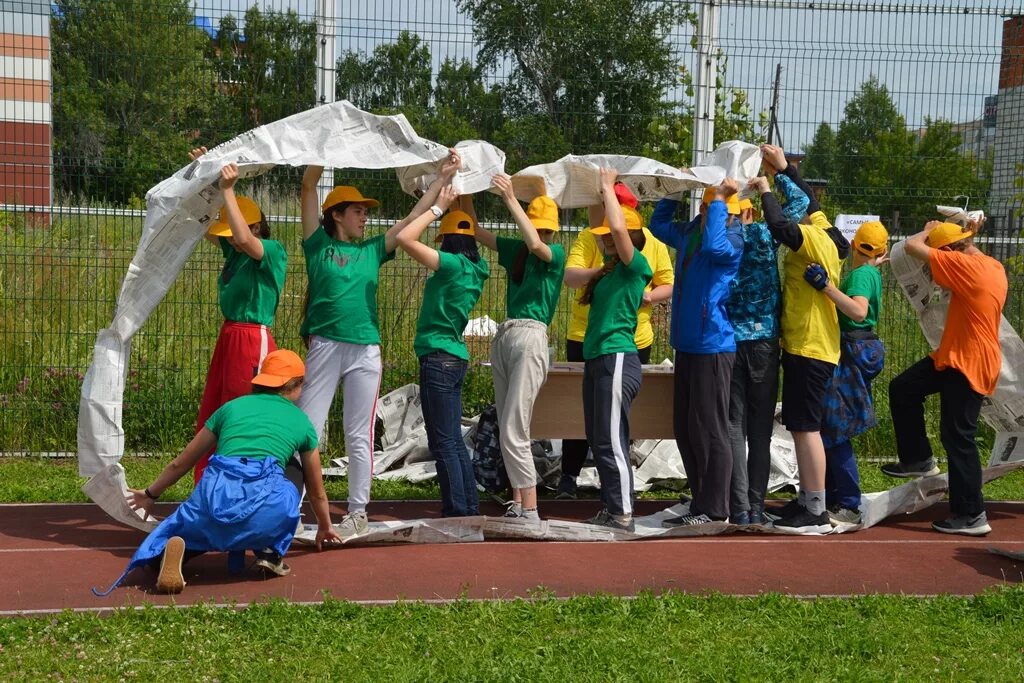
pixel 53 554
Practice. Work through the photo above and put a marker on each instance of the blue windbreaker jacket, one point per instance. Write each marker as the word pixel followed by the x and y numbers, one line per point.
pixel 700 323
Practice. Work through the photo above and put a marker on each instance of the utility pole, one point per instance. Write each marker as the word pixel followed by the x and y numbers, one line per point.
pixel 773 115
pixel 326 31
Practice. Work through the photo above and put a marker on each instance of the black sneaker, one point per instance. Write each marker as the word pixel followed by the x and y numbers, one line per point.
pixel 919 469
pixel 804 522
pixel 685 520
pixel 791 508
pixel 598 519
pixel 967 525
pixel 566 488
pixel 757 514
pixel 270 561
pixel 609 521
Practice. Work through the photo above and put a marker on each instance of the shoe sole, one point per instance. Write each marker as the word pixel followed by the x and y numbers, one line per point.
pixel 275 569
pixel 170 579
pixel 973 531
pixel 813 529
pixel 912 475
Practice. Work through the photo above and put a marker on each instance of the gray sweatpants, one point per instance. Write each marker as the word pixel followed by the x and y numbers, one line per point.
pixel 358 366
pixel 610 383
pixel 519 363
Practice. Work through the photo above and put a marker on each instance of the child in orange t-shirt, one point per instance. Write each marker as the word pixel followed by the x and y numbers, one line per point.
pixel 963 371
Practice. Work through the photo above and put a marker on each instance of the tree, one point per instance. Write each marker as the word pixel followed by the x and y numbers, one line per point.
pixel 129 85
pixel 600 90
pixel 270 72
pixel 873 164
pixel 397 76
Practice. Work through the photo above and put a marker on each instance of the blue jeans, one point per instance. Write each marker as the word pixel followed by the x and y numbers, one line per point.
pixel 842 480
pixel 441 376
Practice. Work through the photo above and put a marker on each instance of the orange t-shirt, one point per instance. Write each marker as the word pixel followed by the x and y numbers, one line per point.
pixel 970 340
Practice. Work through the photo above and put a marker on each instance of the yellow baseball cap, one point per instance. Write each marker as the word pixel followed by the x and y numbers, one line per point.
pixel 456 223
pixel 251 214
pixel 543 213
pixel 732 204
pixel 945 234
pixel 278 368
pixel 871 239
pixel 347 193
pixel 746 204
pixel 633 222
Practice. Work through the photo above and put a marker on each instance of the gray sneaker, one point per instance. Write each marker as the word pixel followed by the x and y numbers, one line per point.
pixel 611 522
pixel 600 518
pixel 967 525
pixel 841 515
pixel 353 524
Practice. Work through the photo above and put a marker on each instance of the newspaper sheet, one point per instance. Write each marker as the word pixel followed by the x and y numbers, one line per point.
pixel 179 210
pixel 574 181
pixel 481 161
pixel 1004 410
pixel 109 490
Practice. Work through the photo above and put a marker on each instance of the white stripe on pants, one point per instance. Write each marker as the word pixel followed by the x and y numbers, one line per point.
pixel 358 366
pixel 519 363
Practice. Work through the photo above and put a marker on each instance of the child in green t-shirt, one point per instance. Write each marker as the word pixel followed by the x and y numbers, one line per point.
pixel 849 409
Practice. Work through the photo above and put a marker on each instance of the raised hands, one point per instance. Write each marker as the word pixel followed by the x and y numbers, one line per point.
pixel 446 197
pixel 759 185
pixel 774 156
pixel 503 183
pixel 196 153
pixel 228 176
pixel 728 188
pixel 451 165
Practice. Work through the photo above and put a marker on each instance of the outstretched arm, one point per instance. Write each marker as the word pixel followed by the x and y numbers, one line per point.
pixel 722 244
pixel 777 159
pixel 313 478
pixel 429 198
pixel 530 236
pixel 781 228
pixel 616 219
pixel 408 238
pixel 247 243
pixel 917 245
pixel 309 202
pixel 201 443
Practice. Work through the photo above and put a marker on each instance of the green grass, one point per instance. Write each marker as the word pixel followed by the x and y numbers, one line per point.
pixel 650 638
pixel 56 480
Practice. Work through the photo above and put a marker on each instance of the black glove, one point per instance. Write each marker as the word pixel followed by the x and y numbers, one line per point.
pixel 816 276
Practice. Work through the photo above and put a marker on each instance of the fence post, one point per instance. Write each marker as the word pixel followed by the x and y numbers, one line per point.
pixel 707 87
pixel 326 30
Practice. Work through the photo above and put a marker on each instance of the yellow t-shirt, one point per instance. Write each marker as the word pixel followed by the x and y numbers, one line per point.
pixel 810 325
pixel 586 253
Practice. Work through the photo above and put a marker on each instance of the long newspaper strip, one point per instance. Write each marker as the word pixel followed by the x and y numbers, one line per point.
pixel 179 210
pixel 481 161
pixel 574 181
pixel 1004 410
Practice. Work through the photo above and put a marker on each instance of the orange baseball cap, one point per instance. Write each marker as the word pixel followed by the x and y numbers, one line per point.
pixel 456 223
pixel 732 204
pixel 250 213
pixel 633 222
pixel 278 368
pixel 347 193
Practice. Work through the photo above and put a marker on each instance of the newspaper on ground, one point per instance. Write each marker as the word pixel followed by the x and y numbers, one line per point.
pixel 1004 410
pixel 481 161
pixel 109 490
pixel 574 180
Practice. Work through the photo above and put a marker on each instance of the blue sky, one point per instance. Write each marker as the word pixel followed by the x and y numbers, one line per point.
pixel 937 65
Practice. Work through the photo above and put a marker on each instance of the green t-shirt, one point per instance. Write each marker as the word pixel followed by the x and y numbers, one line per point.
pixel 250 290
pixel 611 327
pixel 343 280
pixel 865 281
pixel 262 426
pixel 448 297
pixel 536 297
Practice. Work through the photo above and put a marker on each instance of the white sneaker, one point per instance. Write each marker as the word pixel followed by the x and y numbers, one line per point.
pixel 353 524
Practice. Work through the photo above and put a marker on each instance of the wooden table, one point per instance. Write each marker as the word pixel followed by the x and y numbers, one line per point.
pixel 558 412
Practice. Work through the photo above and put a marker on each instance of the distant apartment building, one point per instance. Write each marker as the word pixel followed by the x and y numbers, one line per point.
pixel 25 112
pixel 1008 164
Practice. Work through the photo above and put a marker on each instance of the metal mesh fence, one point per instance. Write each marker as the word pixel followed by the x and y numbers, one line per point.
pixel 896 109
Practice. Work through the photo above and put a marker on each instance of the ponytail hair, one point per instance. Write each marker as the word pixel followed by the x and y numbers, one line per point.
pixel 264 231
pixel 518 270
pixel 463 245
